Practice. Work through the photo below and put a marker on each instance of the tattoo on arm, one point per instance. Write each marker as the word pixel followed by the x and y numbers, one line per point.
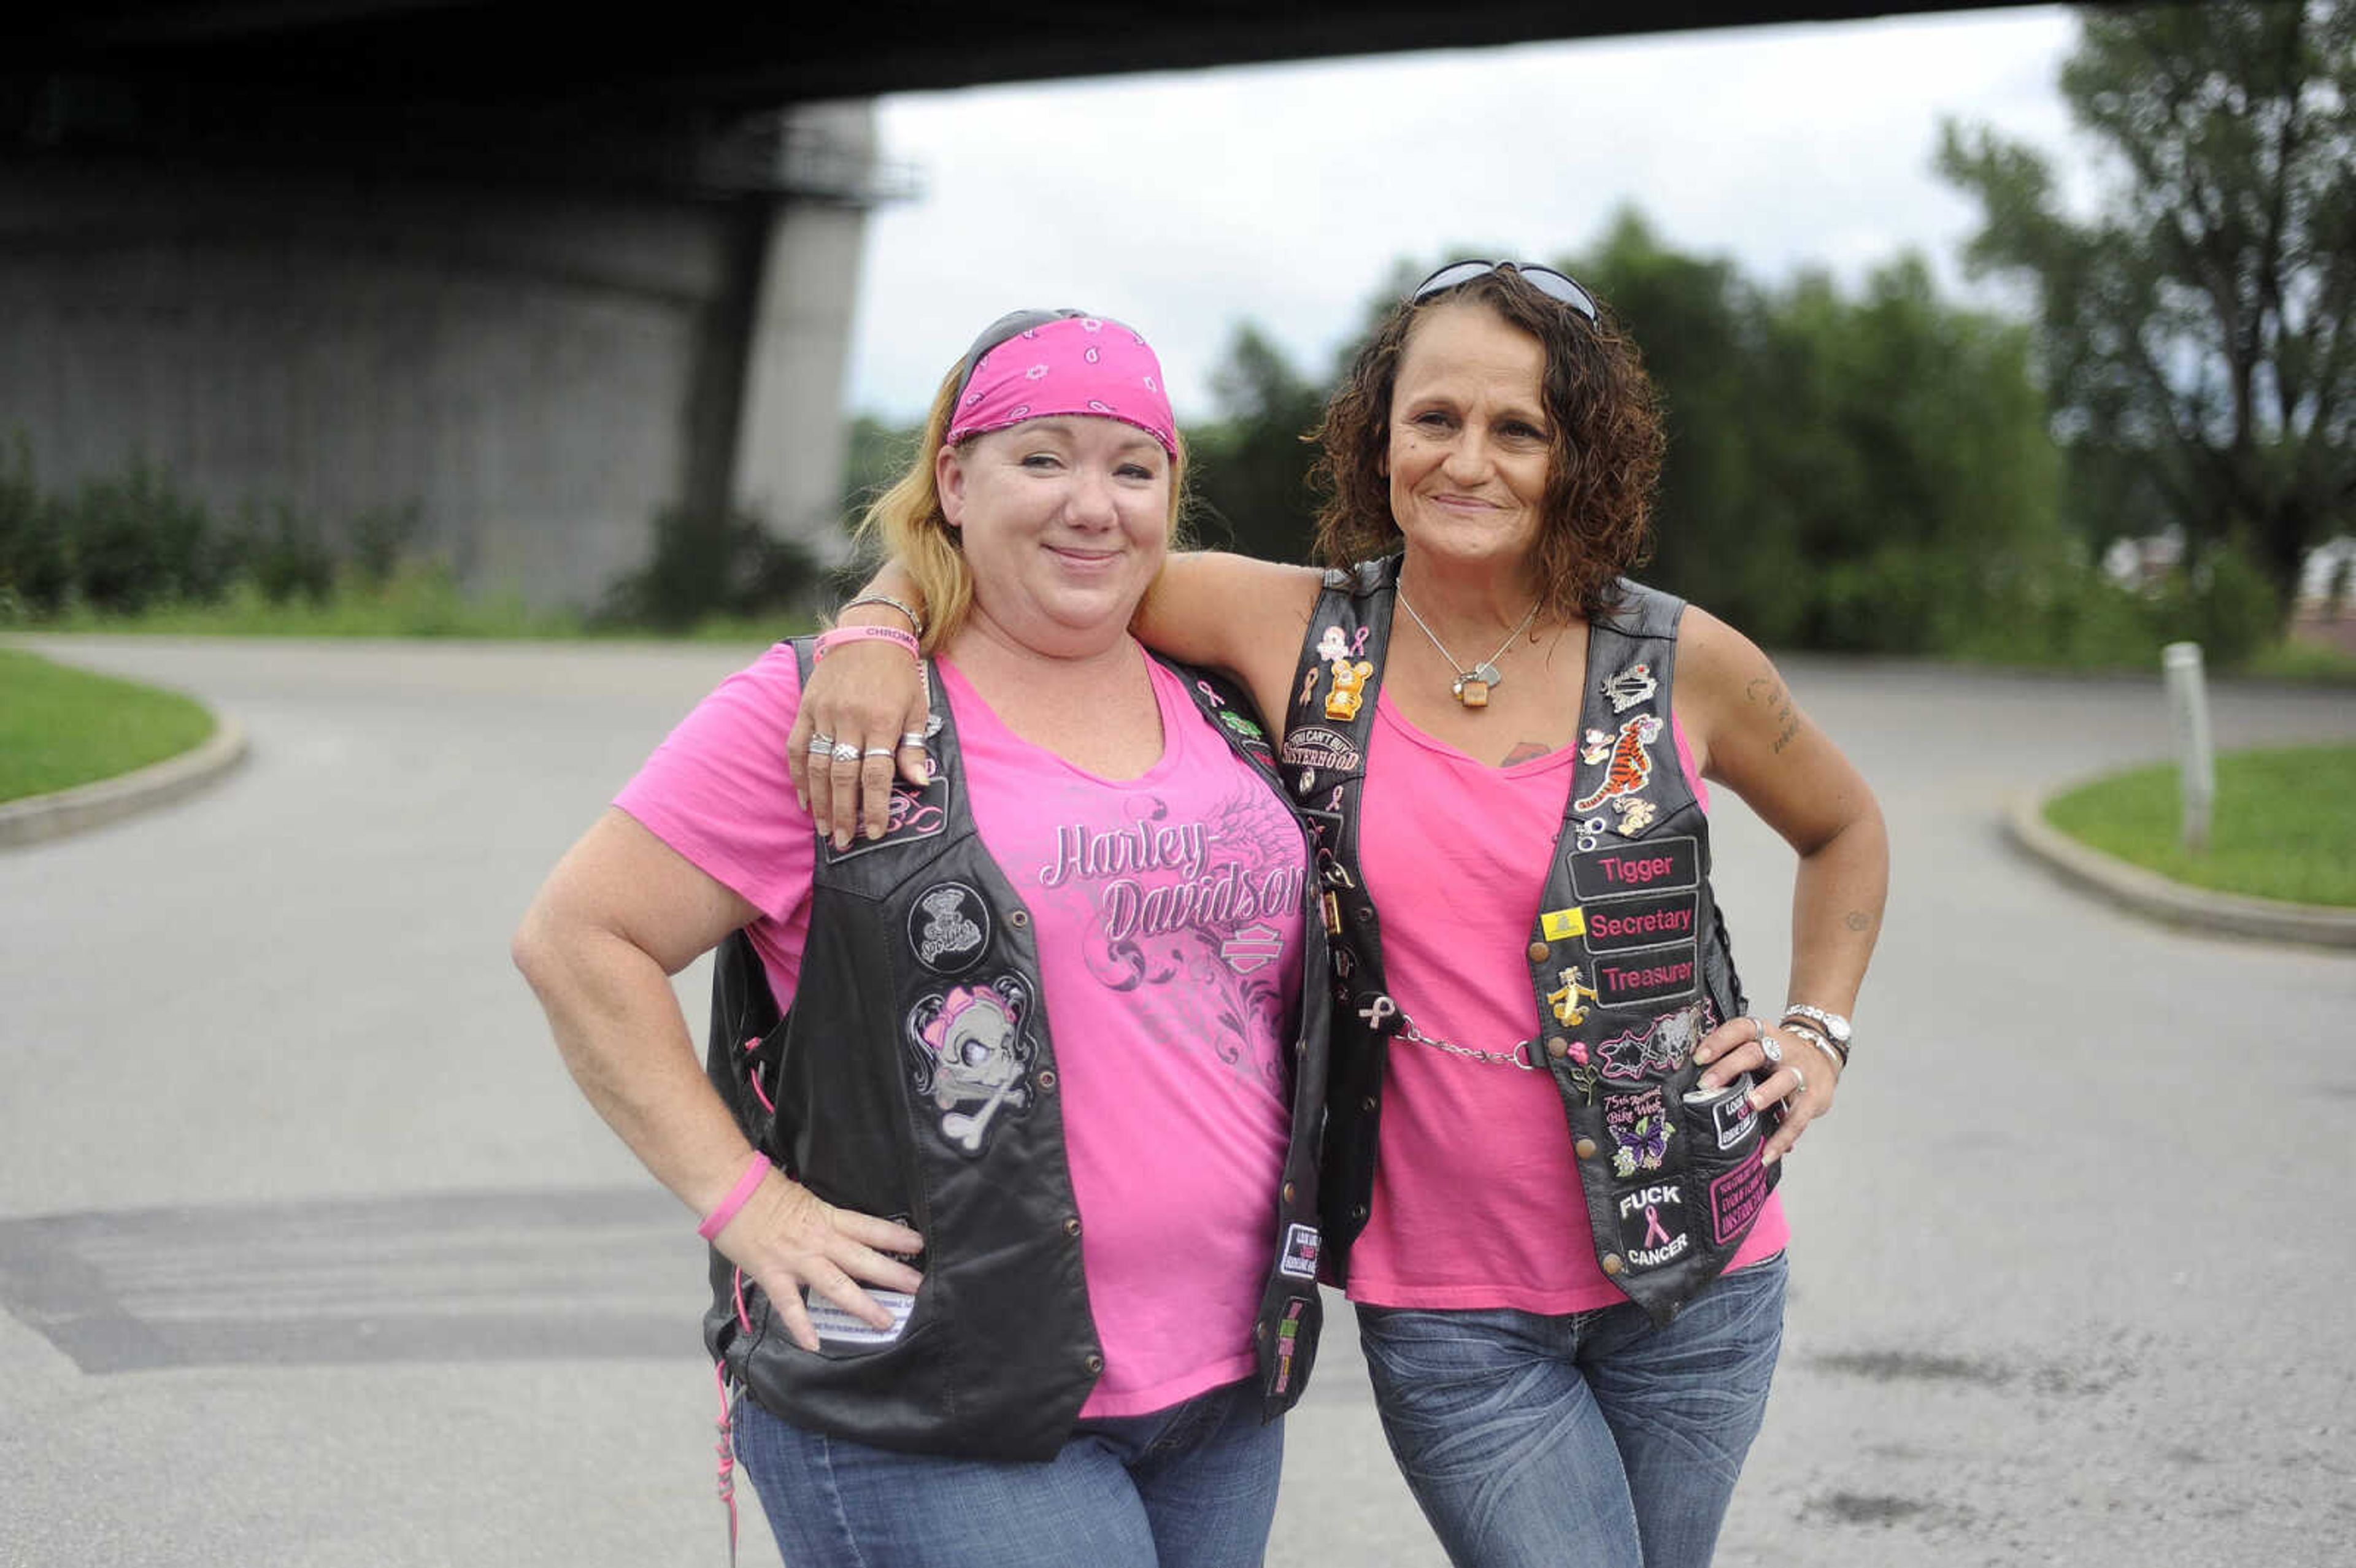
pixel 1759 688
pixel 1523 752
pixel 1856 920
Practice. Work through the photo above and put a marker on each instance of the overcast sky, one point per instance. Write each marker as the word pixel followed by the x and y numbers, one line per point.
pixel 1187 203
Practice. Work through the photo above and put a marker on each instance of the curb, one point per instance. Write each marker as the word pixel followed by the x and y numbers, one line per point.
pixel 38 817
pixel 2155 896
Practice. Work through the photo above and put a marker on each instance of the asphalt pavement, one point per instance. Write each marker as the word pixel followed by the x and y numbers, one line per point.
pixel 310 1254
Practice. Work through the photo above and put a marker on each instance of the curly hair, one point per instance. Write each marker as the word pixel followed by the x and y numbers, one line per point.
pixel 1603 474
pixel 911 526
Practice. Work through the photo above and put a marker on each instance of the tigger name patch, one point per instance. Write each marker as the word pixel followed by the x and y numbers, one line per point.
pixel 1661 865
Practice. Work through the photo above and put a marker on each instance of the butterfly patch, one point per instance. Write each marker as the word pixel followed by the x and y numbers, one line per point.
pixel 1640 1128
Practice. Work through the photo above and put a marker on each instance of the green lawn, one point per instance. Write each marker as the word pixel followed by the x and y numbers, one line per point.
pixel 62 727
pixel 2283 826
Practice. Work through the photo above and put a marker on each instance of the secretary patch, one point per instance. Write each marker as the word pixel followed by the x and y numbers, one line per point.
pixel 1624 923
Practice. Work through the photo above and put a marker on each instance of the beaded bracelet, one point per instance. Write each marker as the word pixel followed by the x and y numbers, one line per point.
pixel 756 1172
pixel 828 641
pixel 889 602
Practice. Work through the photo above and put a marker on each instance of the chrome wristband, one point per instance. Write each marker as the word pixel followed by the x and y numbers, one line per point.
pixel 1835 1027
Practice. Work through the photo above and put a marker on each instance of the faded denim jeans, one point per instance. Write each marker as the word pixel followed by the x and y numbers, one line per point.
pixel 1190 1486
pixel 1584 1440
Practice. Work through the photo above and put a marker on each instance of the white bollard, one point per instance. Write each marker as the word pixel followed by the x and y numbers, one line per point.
pixel 2188 715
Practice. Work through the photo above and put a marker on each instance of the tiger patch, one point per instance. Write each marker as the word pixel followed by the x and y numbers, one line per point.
pixel 1630 765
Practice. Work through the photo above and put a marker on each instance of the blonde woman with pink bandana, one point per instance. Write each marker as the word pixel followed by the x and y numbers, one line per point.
pixel 1004 1143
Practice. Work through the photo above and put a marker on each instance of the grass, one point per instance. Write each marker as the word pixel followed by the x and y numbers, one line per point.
pixel 2283 824
pixel 62 727
pixel 2305 662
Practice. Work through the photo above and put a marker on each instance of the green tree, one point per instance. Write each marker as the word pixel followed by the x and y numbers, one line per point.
pixel 2197 331
pixel 878 452
pixel 1700 328
pixel 1842 471
pixel 1249 466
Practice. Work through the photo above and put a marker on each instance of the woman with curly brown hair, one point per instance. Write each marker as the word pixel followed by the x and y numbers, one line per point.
pixel 1555 1129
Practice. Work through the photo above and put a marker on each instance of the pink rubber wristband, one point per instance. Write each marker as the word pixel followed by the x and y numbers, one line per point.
pixel 828 641
pixel 747 1185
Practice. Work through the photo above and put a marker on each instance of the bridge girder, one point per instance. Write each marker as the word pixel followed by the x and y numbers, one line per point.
pixel 696 54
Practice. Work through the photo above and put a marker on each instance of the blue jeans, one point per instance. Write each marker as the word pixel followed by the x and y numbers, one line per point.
pixel 1586 1440
pixel 1190 1486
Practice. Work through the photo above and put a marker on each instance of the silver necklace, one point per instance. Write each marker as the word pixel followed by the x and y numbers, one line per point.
pixel 1471 686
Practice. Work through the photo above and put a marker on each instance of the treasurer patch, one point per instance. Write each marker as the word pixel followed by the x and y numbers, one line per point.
pixel 1648 974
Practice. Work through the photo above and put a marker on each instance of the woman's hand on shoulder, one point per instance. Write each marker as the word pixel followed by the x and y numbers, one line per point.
pixel 862 718
pixel 787 1237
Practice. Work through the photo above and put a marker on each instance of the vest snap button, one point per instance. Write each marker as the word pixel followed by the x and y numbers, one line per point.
pixel 1259 1331
pixel 1557 1047
pixel 1539 952
pixel 1095 1363
pixel 1047 1080
pixel 1367 1104
pixel 1020 918
pixel 1359 1212
pixel 1072 1226
pixel 1288 1192
pixel 1611 1264
pixel 1584 1148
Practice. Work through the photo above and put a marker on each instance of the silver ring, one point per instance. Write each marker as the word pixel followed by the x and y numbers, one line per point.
pixel 820 745
pixel 844 751
pixel 1801 1087
pixel 879 751
pixel 912 737
pixel 1772 1047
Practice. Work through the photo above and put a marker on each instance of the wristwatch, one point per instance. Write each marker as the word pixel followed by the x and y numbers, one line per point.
pixel 1835 1026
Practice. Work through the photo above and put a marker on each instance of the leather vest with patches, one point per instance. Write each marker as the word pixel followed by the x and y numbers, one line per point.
pixel 915 1078
pixel 1628 957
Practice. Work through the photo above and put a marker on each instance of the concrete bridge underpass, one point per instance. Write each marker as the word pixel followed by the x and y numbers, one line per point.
pixel 532 276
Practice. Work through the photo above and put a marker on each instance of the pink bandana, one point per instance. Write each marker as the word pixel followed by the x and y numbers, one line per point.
pixel 1078 365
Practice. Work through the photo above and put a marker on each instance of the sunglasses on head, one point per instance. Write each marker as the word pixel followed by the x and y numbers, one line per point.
pixel 1545 279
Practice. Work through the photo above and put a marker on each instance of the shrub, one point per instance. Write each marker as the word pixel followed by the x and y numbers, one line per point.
pixel 703 565
pixel 35 567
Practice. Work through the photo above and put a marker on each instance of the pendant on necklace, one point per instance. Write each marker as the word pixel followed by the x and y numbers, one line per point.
pixel 1471 688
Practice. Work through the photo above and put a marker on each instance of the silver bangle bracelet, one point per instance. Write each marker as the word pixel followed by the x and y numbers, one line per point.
pixel 1840 1057
pixel 1832 1024
pixel 914 620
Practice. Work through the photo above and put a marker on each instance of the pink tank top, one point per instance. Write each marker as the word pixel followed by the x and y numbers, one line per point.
pixel 1476 1194
pixel 1168 911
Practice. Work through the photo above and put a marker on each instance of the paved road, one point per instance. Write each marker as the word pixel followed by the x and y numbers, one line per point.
pixel 288 1170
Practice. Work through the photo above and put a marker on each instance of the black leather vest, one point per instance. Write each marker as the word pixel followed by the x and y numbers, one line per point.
pixel 1628 958
pixel 915 1078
